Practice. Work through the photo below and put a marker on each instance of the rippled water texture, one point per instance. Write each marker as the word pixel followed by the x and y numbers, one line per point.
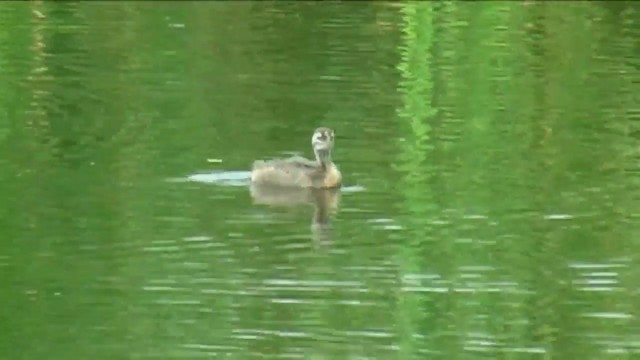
pixel 490 154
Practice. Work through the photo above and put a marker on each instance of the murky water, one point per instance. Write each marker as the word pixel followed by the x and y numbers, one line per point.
pixel 490 154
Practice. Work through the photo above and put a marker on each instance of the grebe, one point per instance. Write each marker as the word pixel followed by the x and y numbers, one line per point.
pixel 300 172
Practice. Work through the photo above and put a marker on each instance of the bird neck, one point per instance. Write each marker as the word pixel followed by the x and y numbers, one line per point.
pixel 323 157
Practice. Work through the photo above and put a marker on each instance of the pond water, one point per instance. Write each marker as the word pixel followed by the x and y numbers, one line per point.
pixel 490 154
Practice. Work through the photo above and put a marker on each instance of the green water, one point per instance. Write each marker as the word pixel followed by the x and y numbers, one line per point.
pixel 490 154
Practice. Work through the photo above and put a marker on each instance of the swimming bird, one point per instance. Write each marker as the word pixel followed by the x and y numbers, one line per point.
pixel 300 172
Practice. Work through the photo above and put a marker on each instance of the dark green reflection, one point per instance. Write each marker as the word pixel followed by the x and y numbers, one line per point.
pixel 416 115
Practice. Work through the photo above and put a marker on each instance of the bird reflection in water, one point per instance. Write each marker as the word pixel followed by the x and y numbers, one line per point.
pixel 324 201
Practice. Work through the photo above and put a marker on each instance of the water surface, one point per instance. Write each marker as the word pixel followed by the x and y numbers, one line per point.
pixel 489 151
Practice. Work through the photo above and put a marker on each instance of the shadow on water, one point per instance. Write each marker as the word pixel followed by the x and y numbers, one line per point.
pixel 324 201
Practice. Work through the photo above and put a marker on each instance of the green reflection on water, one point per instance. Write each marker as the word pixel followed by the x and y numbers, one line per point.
pixel 416 114
pixel 500 205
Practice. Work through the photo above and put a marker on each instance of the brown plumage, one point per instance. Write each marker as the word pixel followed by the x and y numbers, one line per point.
pixel 301 172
